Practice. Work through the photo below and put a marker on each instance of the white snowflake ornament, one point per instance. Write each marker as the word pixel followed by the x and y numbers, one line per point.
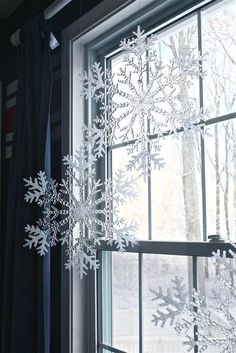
pixel 81 211
pixel 146 99
pixel 214 319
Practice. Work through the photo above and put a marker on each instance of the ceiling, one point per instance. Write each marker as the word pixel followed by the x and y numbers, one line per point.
pixel 7 7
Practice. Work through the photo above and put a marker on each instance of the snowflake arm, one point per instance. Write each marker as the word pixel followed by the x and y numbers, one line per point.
pixel 38 238
pixel 37 188
pixel 174 302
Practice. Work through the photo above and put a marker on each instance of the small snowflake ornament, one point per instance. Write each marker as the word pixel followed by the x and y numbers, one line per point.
pixel 81 211
pixel 215 320
pixel 145 99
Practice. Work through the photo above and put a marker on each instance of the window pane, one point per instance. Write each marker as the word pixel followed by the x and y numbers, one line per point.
pixel 179 43
pixel 135 209
pixel 207 276
pixel 106 300
pixel 221 179
pixel 176 193
pixel 219 46
pixel 125 314
pixel 159 82
pixel 159 271
pixel 130 101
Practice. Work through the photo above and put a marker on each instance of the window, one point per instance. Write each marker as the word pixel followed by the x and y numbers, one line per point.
pixel 178 207
pixel 191 198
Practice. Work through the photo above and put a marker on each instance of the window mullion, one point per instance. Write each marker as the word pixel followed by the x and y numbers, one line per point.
pixel 195 276
pixel 140 279
pixel 149 190
pixel 202 147
pixel 99 302
pixel 149 180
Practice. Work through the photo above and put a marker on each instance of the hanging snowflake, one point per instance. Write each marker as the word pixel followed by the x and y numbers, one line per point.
pixel 216 322
pixel 145 99
pixel 81 211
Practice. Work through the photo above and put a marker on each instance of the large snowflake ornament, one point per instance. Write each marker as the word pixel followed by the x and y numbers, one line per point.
pixel 214 319
pixel 81 211
pixel 145 99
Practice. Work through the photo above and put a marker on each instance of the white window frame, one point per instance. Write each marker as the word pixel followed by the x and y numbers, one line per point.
pixel 83 37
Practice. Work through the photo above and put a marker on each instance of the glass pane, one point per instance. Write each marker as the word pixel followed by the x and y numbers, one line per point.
pixel 135 209
pixel 125 313
pixel 208 271
pixel 128 97
pixel 159 271
pixel 160 95
pixel 176 192
pixel 178 44
pixel 106 284
pixel 219 47
pixel 220 144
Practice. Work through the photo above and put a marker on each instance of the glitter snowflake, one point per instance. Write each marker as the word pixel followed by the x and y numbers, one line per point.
pixel 145 99
pixel 81 211
pixel 214 319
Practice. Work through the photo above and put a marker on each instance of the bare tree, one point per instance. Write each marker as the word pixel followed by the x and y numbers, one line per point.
pixel 220 38
pixel 184 40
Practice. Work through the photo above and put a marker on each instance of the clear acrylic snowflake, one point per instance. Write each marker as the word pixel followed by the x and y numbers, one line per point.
pixel 81 211
pixel 215 322
pixel 145 99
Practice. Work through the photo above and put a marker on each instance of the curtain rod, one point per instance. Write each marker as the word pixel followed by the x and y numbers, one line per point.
pixel 49 12
pixel 54 8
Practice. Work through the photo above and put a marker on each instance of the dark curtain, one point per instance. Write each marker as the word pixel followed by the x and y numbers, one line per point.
pixel 26 306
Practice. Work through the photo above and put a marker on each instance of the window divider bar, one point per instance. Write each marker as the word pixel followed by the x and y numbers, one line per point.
pixel 104 299
pixel 99 301
pixel 149 187
pixel 195 285
pixel 149 181
pixel 202 146
pixel 140 279
pixel 220 118
pixel 183 248
pixel 203 178
pixel 110 348
pixel 208 122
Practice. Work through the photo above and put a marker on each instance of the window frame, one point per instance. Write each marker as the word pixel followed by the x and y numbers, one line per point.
pixel 177 248
pixel 89 35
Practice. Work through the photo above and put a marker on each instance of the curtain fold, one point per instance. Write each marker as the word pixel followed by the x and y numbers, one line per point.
pixel 26 287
